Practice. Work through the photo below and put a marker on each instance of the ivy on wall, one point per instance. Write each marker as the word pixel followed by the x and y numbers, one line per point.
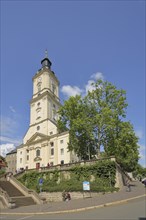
pixel 101 176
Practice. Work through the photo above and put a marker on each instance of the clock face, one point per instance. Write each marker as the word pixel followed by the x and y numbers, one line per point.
pixel 39 79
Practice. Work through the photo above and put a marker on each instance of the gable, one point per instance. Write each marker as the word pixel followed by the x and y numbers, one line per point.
pixel 37 137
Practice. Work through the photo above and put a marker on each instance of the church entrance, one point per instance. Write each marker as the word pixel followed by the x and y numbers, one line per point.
pixel 37 166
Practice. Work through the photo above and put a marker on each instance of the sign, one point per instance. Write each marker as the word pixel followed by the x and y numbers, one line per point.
pixel 41 181
pixel 41 184
pixel 86 185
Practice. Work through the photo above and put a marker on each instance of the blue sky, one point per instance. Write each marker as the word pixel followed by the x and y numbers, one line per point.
pixel 84 39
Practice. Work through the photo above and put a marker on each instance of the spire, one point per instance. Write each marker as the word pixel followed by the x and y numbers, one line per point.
pixel 46 62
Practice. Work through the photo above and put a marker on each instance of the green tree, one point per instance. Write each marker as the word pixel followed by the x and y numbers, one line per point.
pixel 139 172
pixel 122 143
pixel 97 121
pixel 75 117
pixel 108 107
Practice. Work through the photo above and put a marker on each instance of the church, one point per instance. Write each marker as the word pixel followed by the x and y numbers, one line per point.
pixel 42 144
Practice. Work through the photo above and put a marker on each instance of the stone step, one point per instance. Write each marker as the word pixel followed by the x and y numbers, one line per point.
pixel 10 189
pixel 23 201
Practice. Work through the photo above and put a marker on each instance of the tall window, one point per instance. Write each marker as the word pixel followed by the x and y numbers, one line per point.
pixel 53 88
pixel 52 151
pixel 54 112
pixel 38 112
pixel 62 151
pixel 39 87
pixel 37 153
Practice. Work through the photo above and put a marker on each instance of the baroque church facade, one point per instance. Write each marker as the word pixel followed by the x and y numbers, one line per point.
pixel 42 144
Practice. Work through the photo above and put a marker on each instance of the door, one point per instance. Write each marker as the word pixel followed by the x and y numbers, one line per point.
pixel 37 166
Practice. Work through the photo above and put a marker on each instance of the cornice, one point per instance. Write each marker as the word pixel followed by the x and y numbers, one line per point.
pixel 37 141
pixel 46 93
pixel 47 119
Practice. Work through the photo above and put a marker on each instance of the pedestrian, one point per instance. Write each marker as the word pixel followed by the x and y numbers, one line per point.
pixel 63 195
pixel 144 181
pixel 68 196
pixel 128 186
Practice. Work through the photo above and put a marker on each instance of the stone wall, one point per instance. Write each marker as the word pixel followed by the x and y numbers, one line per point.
pixel 57 196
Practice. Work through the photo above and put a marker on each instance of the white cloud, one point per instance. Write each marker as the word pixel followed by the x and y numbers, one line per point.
pixel 68 90
pixel 11 140
pixel 97 76
pixel 6 148
pixel 89 86
pixel 8 137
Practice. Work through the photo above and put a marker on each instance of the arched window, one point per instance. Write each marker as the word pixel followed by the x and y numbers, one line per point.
pixel 37 153
pixel 52 144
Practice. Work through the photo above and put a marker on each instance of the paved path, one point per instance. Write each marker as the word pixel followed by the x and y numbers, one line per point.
pixel 137 190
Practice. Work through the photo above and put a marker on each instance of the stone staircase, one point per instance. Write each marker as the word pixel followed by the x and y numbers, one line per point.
pixel 15 195
pixel 23 201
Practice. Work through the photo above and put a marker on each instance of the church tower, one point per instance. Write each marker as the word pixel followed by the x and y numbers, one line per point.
pixel 45 101
pixel 42 144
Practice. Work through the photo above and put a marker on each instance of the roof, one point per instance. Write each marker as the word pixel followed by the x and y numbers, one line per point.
pixel 20 146
pixel 12 152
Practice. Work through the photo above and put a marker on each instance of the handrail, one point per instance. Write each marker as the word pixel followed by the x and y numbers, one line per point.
pixel 6 198
pixel 35 196
pixel 124 174
pixel 19 173
pixel 13 179
pixel 3 192
pixel 25 190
